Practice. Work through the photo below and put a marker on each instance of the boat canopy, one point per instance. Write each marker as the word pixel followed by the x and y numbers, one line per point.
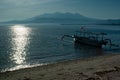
pixel 96 35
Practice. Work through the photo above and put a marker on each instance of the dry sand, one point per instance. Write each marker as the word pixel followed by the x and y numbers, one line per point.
pixel 98 68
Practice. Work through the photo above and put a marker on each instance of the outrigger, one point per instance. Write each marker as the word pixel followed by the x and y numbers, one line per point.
pixel 90 38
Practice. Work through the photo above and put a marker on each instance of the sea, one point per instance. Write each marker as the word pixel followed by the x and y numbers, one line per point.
pixel 29 45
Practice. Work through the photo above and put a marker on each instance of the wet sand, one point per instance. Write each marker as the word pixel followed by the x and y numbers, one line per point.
pixel 105 67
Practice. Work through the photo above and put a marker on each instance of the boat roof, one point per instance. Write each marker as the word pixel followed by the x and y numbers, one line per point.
pixel 91 33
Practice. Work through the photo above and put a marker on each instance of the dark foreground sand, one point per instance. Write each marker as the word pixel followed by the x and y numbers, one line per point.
pixel 97 68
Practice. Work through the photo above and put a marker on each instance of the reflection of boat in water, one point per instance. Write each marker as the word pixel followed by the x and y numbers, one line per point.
pixel 87 50
pixel 90 38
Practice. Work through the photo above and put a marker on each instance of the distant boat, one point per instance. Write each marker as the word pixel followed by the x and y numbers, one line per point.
pixel 90 38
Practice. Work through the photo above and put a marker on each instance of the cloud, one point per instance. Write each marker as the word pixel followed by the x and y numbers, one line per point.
pixel 24 2
pixel 19 9
pixel 16 9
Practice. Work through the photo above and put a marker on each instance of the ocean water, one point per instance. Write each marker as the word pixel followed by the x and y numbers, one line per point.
pixel 28 45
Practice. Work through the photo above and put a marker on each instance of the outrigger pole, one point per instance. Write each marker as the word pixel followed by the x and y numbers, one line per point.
pixel 90 38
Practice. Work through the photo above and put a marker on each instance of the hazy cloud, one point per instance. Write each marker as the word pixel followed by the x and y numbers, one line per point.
pixel 16 9
pixel 20 9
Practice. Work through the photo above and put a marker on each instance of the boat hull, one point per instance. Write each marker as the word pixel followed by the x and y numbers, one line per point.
pixel 87 41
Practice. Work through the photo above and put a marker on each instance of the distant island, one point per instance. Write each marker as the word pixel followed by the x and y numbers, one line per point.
pixel 65 19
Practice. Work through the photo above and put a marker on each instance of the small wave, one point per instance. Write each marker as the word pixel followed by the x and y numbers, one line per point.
pixel 22 67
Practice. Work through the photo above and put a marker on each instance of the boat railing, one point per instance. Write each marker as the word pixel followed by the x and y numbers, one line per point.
pixel 96 36
pixel 91 36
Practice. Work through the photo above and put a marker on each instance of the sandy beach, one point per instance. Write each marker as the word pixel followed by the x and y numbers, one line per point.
pixel 105 67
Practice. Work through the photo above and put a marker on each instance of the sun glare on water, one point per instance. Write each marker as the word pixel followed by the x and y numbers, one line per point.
pixel 20 40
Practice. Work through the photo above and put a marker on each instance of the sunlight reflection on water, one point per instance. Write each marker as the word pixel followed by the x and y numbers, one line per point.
pixel 20 40
pixel 23 66
pixel 33 45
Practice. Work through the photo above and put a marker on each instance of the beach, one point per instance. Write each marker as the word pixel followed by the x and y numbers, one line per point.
pixel 105 67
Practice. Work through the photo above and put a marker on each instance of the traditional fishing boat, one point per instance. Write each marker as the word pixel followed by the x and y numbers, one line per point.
pixel 90 38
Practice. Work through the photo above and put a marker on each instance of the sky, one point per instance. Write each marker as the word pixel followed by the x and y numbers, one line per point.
pixel 22 9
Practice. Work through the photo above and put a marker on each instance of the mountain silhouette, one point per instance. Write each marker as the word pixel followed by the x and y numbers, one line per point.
pixel 65 18
pixel 61 16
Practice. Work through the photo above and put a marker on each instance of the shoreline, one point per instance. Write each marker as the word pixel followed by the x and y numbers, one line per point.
pixel 106 67
pixel 46 64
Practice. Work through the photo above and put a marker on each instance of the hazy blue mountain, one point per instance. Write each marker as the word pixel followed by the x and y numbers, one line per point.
pixel 111 22
pixel 60 18
pixel 65 18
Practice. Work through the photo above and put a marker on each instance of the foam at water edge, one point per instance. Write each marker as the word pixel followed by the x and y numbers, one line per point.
pixel 22 67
